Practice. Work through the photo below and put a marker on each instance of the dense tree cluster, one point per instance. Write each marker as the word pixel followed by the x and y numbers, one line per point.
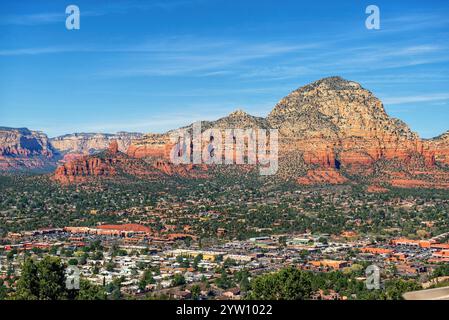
pixel 46 280
pixel 295 284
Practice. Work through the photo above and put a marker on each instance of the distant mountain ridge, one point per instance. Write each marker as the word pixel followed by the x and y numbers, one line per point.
pixel 89 143
pixel 21 148
pixel 331 131
pixel 24 149
pixel 114 164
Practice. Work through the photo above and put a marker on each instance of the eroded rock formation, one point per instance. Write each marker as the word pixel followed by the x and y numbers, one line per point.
pixel 330 131
pixel 90 143
pixel 327 129
pixel 113 164
pixel 21 149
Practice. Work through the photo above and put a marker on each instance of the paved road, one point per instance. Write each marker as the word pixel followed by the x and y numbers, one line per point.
pixel 429 294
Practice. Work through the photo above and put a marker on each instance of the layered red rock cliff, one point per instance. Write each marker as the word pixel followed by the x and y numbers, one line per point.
pixel 332 128
pixel 90 143
pixel 440 148
pixel 113 164
pixel 151 145
pixel 23 149
pixel 81 168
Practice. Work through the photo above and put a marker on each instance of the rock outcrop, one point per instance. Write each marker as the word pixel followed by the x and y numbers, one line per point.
pixel 329 129
pixel 440 148
pixel 322 176
pixel 23 149
pixel 90 143
pixel 114 164
pixel 337 120
pixel 152 146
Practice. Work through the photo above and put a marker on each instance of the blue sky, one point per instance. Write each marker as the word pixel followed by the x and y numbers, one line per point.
pixel 151 66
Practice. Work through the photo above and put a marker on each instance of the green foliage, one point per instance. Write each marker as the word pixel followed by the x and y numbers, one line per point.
pixel 178 280
pixel 224 282
pixel 3 290
pixel 295 284
pixel 183 261
pixel 394 289
pixel 287 284
pixel 44 280
pixel 89 291
pixel 441 271
pixel 242 278
pixel 196 292
pixel 196 261
pixel 110 266
pixel 147 278
pixel 73 262
pixel 114 288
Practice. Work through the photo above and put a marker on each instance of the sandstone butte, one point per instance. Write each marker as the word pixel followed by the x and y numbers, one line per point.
pixel 331 131
pixel 113 164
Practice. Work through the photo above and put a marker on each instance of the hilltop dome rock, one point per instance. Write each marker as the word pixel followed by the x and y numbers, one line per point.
pixel 238 113
pixel 113 147
pixel 335 107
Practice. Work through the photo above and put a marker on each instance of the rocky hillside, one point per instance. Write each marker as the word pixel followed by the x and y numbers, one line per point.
pixel 21 149
pixel 151 146
pixel 331 131
pixel 24 149
pixel 114 164
pixel 89 143
pixel 334 107
pixel 159 146
pixel 338 119
pixel 441 146
pixel 335 131
pixel 237 120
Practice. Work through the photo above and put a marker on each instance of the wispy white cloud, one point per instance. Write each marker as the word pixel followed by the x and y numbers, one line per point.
pixel 32 19
pixel 355 59
pixel 413 22
pixel 42 18
pixel 205 57
pixel 35 51
pixel 416 98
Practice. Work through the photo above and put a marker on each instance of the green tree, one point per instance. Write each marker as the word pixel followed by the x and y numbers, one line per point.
pixel 440 271
pixel 197 260
pixel 3 291
pixel 394 289
pixel 287 284
pixel 51 279
pixel 28 287
pixel 114 288
pixel 223 282
pixel 44 280
pixel 178 280
pixel 196 292
pixel 110 266
pixel 89 291
pixel 73 262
